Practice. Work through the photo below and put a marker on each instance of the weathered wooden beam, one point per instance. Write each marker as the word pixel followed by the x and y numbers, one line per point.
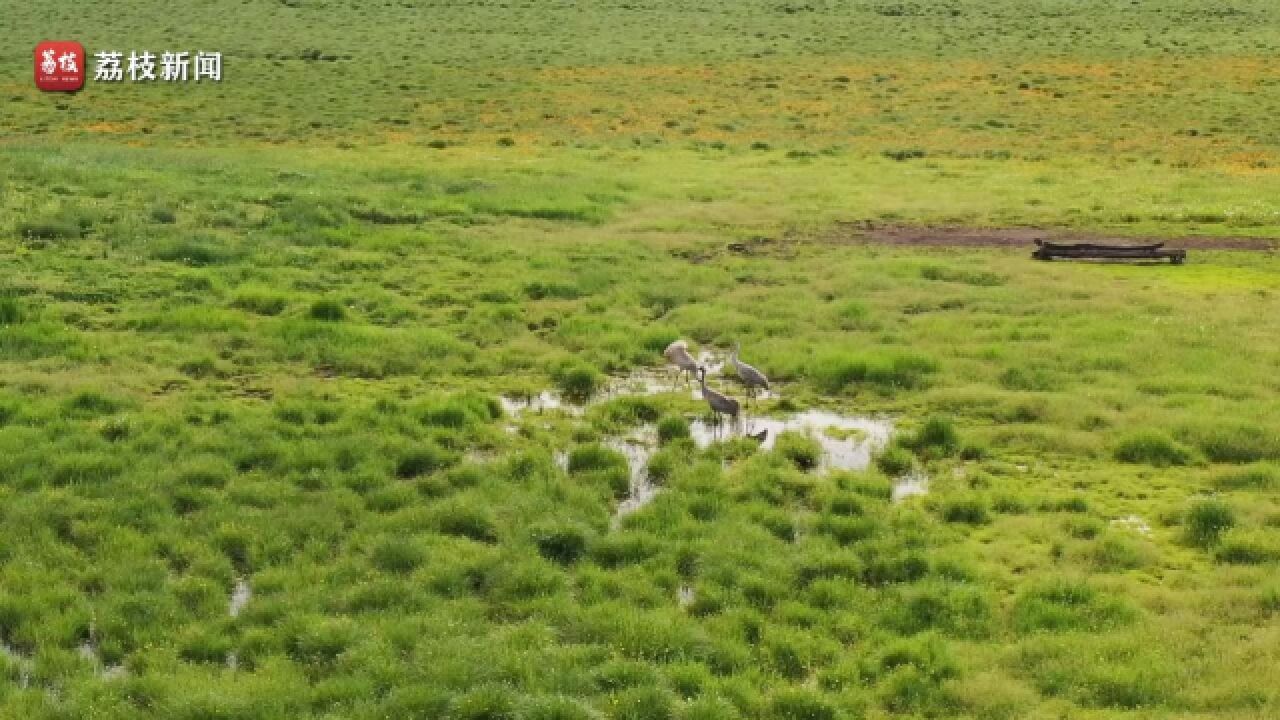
pixel 1153 251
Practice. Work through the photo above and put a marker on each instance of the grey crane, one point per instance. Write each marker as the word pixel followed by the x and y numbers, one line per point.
pixel 677 353
pixel 720 404
pixel 751 377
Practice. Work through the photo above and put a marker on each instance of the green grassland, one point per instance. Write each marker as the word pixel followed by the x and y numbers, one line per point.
pixel 258 332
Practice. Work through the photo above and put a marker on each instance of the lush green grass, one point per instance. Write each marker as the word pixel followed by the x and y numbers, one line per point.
pixel 279 360
pixel 270 385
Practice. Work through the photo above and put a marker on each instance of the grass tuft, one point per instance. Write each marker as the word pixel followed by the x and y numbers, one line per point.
pixel 327 310
pixel 423 460
pixel 837 373
pixel 968 511
pixel 672 428
pixel 1151 447
pixel 398 555
pixel 11 312
pixel 1236 442
pixel 1262 476
pixel 1206 520
pixel 799 449
pixel 578 381
pixel 1065 605
pixel 895 460
pixel 563 544
pixel 937 438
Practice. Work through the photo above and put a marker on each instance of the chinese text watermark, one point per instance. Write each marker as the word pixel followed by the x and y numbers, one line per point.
pixel 113 66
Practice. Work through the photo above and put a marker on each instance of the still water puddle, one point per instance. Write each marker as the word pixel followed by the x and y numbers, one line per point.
pixel 638 382
pixel 713 362
pixel 515 406
pixel 848 441
pixel 912 484
pixel 240 595
pixel 89 651
pixel 650 382
pixel 637 448
pixel 1134 523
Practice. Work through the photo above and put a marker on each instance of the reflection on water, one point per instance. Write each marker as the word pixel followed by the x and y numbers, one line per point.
pixel 713 362
pixel 650 382
pixel 89 651
pixel 515 406
pixel 1134 523
pixel 239 597
pixel 848 441
pixel 641 381
pixel 637 448
pixel 912 484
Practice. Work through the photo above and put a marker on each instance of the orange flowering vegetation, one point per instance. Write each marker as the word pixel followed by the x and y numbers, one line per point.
pixel 1180 111
pixel 1187 113
pixel 110 128
pixel 1246 163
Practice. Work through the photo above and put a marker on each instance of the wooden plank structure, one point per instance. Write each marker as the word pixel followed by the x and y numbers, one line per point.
pixel 1046 250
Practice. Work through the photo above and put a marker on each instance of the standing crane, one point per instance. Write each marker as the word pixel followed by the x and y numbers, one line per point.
pixel 677 354
pixel 720 404
pixel 751 377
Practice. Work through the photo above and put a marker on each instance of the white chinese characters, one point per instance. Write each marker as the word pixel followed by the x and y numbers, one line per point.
pixel 109 69
pixel 209 65
pixel 143 66
pixel 173 66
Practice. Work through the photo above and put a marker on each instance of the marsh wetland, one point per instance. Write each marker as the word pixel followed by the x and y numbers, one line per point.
pixel 340 394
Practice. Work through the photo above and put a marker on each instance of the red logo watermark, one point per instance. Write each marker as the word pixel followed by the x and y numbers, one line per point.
pixel 60 66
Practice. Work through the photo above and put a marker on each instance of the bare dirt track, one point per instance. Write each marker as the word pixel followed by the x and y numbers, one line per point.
pixel 870 233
